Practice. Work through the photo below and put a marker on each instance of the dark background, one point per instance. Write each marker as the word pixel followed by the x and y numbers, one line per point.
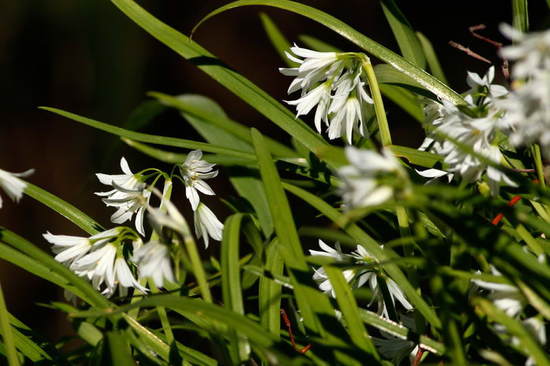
pixel 86 57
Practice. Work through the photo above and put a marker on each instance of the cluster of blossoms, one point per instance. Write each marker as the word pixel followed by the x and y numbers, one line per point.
pixel 334 84
pixel 108 257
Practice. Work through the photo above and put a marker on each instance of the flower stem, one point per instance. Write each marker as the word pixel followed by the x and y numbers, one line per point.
pixel 538 164
pixel 7 335
pixel 383 127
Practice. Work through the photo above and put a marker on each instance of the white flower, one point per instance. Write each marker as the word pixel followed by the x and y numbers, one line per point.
pixel 207 224
pixel 362 256
pixel 194 170
pixel 361 180
pixel 12 185
pixel 153 261
pixel 527 115
pixel 536 327
pixel 70 248
pixel 530 51
pixel 130 196
pixel 505 297
pixel 319 274
pixel 482 87
pixel 332 83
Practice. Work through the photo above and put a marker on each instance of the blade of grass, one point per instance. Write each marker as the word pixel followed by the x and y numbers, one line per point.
pixel 431 58
pixel 277 38
pixel 7 334
pixel 231 280
pixel 143 137
pixel 404 34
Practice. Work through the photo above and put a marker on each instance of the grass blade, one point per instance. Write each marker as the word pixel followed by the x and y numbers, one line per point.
pixel 431 58
pixel 404 34
pixel 143 137
pixel 231 280
pixel 7 334
pixel 277 38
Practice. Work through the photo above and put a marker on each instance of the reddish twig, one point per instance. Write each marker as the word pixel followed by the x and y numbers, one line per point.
pixel 475 28
pixel 418 357
pixel 288 326
pixel 469 52
pixel 510 203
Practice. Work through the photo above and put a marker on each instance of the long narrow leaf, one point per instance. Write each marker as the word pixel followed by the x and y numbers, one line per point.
pixel 7 334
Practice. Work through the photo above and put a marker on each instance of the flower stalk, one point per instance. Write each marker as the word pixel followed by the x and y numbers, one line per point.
pixel 385 136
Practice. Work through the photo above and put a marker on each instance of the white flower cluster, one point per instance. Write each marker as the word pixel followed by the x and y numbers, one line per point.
pixel 528 105
pixel 364 272
pixel 371 178
pixel 474 126
pixel 333 84
pixel 103 258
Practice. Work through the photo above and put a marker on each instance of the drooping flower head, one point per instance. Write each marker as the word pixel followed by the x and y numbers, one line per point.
pixel 371 178
pixel 207 224
pixel 153 261
pixel 129 195
pixel 333 84
pixel 12 185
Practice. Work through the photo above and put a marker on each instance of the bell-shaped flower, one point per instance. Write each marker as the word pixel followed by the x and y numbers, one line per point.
pixel 129 195
pixel 194 171
pixel 207 224
pixel 363 180
pixel 153 261
pixel 12 185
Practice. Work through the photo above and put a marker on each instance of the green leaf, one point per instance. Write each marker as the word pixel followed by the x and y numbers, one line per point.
pixel 431 57
pixel 269 293
pixel 373 248
pixel 520 13
pixel 404 34
pixel 231 280
pixel 143 137
pixel 350 311
pixel 374 48
pixel 417 157
pixel 404 99
pixel 7 333
pixel 177 158
pixel 119 348
pixel 200 108
pixel 277 38
pixel 400 331
pixel 317 44
pixel 229 78
pixel 67 210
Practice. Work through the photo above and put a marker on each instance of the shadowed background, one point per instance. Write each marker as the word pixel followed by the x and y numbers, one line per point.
pixel 86 57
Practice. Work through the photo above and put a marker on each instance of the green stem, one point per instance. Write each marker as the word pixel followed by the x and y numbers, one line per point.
pixel 538 164
pixel 164 321
pixel 7 335
pixel 198 269
pixel 383 127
